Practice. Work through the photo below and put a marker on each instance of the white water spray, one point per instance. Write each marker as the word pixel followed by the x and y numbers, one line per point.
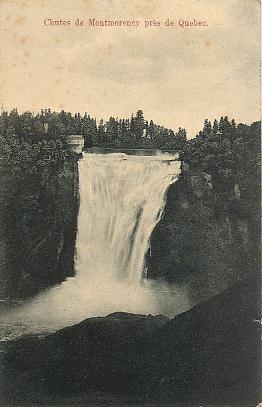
pixel 121 200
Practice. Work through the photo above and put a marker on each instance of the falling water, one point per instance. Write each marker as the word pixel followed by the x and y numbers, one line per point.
pixel 121 200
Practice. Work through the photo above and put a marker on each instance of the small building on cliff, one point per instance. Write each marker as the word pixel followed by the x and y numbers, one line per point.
pixel 76 141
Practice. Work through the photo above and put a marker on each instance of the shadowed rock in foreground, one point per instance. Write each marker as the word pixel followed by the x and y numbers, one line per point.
pixel 209 354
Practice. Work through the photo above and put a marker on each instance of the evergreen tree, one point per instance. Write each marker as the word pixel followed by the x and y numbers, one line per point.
pixel 215 128
pixel 139 125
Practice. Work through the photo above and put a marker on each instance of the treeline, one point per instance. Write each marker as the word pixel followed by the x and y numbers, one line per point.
pixel 134 132
pixel 27 139
pixel 224 145
pixel 33 145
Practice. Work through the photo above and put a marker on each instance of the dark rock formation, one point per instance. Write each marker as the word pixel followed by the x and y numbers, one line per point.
pixel 38 231
pixel 207 355
pixel 208 236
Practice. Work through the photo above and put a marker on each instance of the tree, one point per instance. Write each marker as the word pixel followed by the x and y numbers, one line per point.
pixel 215 128
pixel 151 130
pixel 139 125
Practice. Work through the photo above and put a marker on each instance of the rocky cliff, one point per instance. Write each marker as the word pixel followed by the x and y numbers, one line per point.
pixel 209 233
pixel 38 230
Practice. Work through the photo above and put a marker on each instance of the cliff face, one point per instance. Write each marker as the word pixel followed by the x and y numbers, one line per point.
pixel 208 236
pixel 38 231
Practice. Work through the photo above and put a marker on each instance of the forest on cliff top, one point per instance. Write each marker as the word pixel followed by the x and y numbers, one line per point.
pixel 27 139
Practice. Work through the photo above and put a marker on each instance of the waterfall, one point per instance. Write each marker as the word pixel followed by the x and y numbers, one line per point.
pixel 121 200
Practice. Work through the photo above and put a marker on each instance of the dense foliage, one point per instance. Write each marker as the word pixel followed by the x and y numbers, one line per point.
pixel 135 132
pixel 29 144
pixel 224 145
pixel 230 153
pixel 28 148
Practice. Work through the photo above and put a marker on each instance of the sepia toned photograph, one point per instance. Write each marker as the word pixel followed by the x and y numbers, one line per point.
pixel 130 203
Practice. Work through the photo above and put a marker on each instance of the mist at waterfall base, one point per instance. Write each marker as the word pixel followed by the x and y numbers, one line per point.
pixel 121 199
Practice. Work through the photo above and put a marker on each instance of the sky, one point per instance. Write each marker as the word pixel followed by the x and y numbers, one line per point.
pixel 177 75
